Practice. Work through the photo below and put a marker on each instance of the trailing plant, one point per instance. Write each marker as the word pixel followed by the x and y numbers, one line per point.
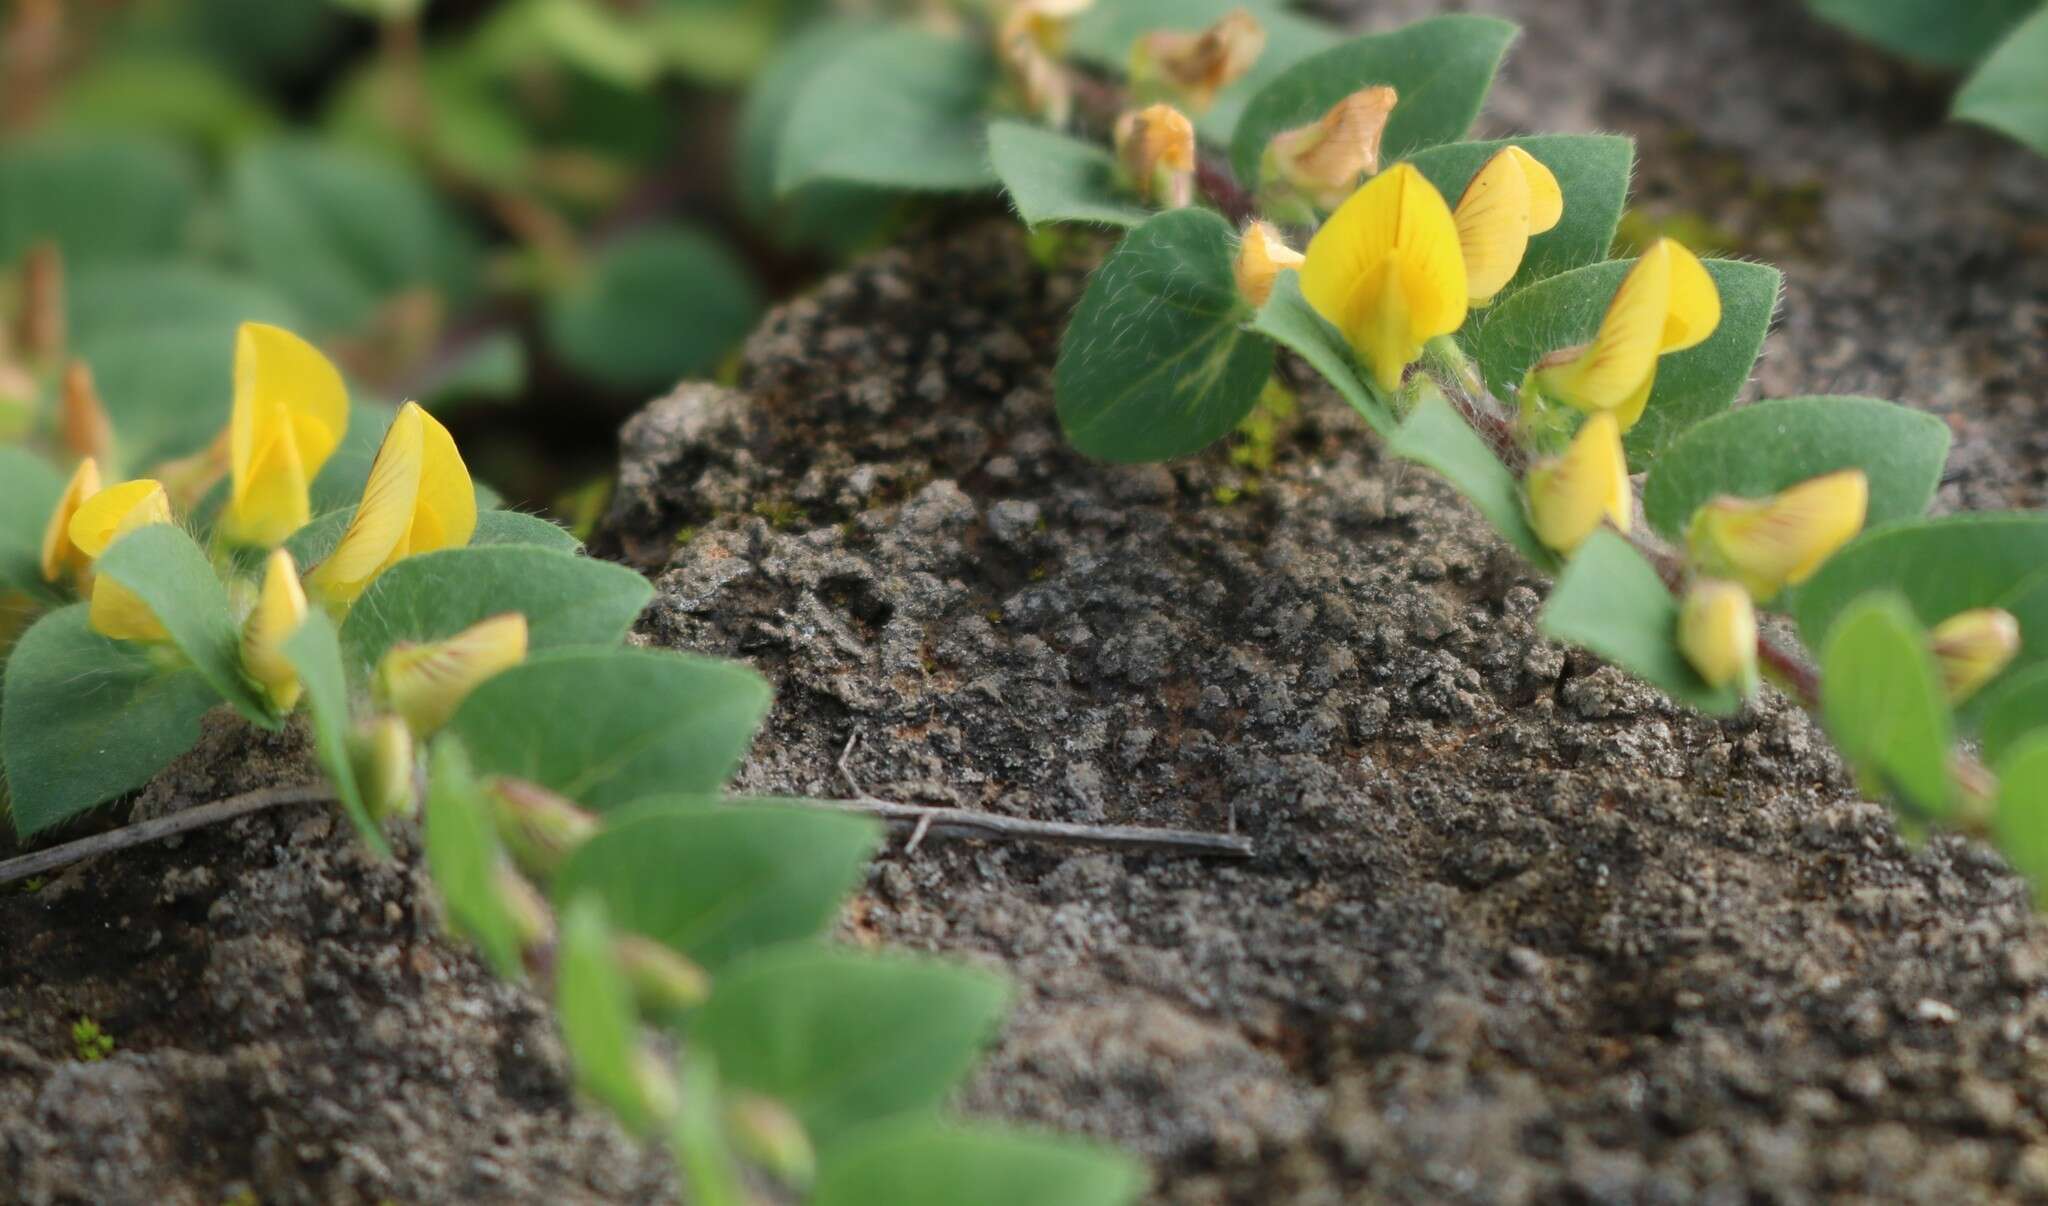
pixel 2002 44
pixel 1281 186
pixel 573 820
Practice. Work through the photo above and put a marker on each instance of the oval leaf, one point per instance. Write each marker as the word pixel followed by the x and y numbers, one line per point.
pixel 465 858
pixel 100 199
pixel 2012 707
pixel 924 1162
pixel 1156 362
pixel 2022 820
pixel 29 490
pixel 657 306
pixel 1053 178
pixel 1761 449
pixel 1435 434
pixel 2007 92
pixel 594 1001
pixel 1288 320
pixel 1883 702
pixel 899 108
pixel 173 577
pixel 315 653
pixel 1611 601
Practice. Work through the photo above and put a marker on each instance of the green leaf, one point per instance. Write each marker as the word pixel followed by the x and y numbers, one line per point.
pixel 1436 435
pixel 103 200
pixel 566 599
pixel 1592 172
pixel 846 1039
pixel 594 1002
pixel 1104 34
pixel 465 859
pixel 86 719
pixel 2022 821
pixel 922 1162
pixel 898 108
pixel 657 306
pixel 517 527
pixel 1883 702
pixel 315 653
pixel 29 489
pixel 1441 67
pixel 152 93
pixel 710 1170
pixel 1611 601
pixel 2012 707
pixel 339 232
pixel 1156 362
pixel 718 882
pixel 645 723
pixel 2007 92
pixel 1940 567
pixel 1290 321
pixel 174 579
pixel 1940 32
pixel 1758 450
pixel 1566 309
pixel 491 368
pixel 1054 178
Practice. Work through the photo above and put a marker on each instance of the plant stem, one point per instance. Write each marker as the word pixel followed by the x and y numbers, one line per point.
pixel 218 812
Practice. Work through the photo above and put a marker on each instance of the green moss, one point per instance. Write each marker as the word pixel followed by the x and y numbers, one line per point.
pixel 90 1043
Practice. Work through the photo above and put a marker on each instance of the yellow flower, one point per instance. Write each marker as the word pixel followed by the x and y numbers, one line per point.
pixel 419 498
pixel 1974 647
pixel 1717 633
pixel 1194 67
pixel 1156 148
pixel 118 612
pixel 1324 160
pixel 1387 273
pixel 290 412
pixel 1666 303
pixel 1570 494
pixel 280 609
pixel 1771 543
pixel 60 556
pixel 1510 198
pixel 425 682
pixel 1261 257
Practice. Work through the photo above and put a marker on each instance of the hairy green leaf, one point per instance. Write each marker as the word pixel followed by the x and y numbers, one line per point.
pixel 29 490
pixel 846 1039
pixel 924 1162
pixel 172 576
pixel 657 306
pixel 2007 92
pixel 1288 320
pixel 1055 178
pixel 717 882
pixel 101 200
pixel 594 1001
pixel 1611 601
pixel 1441 68
pixel 837 216
pixel 1939 32
pixel 1592 172
pixel 315 652
pixel 2012 707
pixel 897 108
pixel 495 527
pixel 2022 820
pixel 464 856
pixel 1884 704
pixel 1436 435
pixel 1156 362
pixel 1758 450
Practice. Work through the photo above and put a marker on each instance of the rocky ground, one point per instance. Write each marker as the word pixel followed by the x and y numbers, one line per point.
pixel 1517 930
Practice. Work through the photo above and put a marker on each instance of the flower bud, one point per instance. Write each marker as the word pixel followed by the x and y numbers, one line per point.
pixel 1973 647
pixel 117 612
pixel 659 1095
pixel 1717 633
pixel 83 422
pixel 381 753
pixel 1771 543
pixel 1029 45
pixel 538 826
pixel 1570 494
pixel 772 1136
pixel 532 920
pixel 426 681
pixel 1156 148
pixel 280 609
pixel 1325 160
pixel 663 980
pixel 60 556
pixel 1191 68
pixel 1261 257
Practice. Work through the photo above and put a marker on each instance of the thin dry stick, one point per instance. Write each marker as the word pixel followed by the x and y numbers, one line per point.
pixel 216 813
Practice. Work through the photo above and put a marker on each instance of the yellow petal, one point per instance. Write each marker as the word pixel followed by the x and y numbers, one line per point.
pixel 60 556
pixel 119 614
pixel 1546 199
pixel 1694 309
pixel 1493 219
pixel 1974 647
pixel 1261 256
pixel 1386 271
pixel 1780 541
pixel 1570 495
pixel 1717 633
pixel 290 412
pixel 1612 369
pixel 445 516
pixel 383 521
pixel 280 609
pixel 116 511
pixel 426 682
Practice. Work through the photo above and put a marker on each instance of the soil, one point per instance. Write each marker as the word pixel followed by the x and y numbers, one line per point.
pixel 1517 929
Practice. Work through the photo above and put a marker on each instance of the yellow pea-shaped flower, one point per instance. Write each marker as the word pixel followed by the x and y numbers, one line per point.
pixel 1386 271
pixel 280 609
pixel 1771 543
pixel 1973 647
pixel 1717 633
pixel 1569 495
pixel 118 612
pixel 1666 303
pixel 419 498
pixel 425 682
pixel 290 412
pixel 1510 198
pixel 60 556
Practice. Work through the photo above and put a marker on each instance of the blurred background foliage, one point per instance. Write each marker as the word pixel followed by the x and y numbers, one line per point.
pixel 530 215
